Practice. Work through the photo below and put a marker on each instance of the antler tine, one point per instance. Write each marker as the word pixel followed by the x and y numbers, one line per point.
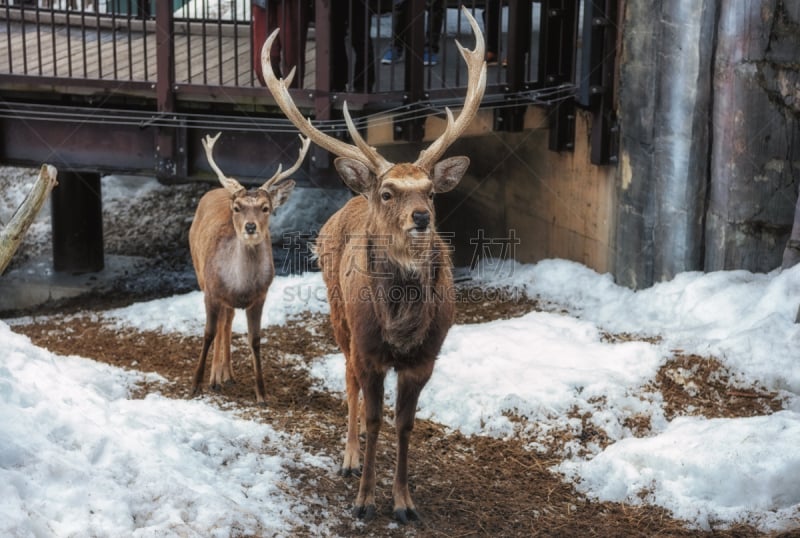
pixel 230 184
pixel 305 143
pixel 279 90
pixel 476 85
pixel 379 164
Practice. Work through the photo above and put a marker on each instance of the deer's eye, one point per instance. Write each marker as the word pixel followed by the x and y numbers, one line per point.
pixel 430 195
pixel 386 196
pixel 265 208
pixel 236 209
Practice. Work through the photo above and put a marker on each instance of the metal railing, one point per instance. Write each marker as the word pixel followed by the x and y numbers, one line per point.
pixel 169 64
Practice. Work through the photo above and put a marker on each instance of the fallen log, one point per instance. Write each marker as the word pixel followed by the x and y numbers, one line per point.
pixel 11 236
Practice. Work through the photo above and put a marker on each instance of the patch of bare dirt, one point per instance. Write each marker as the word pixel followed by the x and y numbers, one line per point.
pixel 702 386
pixel 479 305
pixel 464 486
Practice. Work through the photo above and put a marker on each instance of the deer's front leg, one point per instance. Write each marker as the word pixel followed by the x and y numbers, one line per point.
pixel 212 315
pixel 372 387
pixel 221 371
pixel 409 386
pixel 254 335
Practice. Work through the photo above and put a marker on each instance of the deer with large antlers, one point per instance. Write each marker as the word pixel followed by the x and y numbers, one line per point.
pixel 232 256
pixel 388 273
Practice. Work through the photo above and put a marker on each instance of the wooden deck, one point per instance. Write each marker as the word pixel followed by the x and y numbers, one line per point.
pixel 124 54
pixel 220 56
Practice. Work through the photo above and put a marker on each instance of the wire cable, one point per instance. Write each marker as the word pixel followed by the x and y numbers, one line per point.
pixel 210 122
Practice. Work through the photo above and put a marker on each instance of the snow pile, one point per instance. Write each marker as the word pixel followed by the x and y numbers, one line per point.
pixel 746 319
pixel 80 458
pixel 707 471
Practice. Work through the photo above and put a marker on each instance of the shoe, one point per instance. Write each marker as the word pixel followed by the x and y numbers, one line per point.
pixel 393 55
pixel 430 58
pixel 491 58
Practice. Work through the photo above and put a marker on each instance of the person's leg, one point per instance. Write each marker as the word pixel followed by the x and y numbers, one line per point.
pixel 399 23
pixel 433 34
pixel 491 22
pixel 258 23
pixel 340 66
pixel 274 22
pixel 293 17
pixel 364 75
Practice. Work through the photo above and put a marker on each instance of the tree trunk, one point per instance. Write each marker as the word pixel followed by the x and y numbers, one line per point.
pixel 11 236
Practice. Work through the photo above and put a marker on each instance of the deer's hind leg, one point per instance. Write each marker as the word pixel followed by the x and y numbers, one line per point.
pixel 254 336
pixel 221 368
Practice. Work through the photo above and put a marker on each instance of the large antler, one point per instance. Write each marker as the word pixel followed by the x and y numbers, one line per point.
pixel 233 186
pixel 304 145
pixel 361 152
pixel 476 85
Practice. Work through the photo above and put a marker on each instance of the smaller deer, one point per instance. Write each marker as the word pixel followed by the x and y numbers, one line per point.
pixel 232 256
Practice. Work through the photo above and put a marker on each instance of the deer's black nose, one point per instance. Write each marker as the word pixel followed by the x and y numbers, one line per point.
pixel 421 219
pixel 250 227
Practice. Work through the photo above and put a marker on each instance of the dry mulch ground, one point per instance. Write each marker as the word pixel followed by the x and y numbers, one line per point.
pixel 463 486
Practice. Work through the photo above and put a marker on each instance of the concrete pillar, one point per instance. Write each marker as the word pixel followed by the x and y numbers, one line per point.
pixel 77 220
pixel 755 169
pixel 665 103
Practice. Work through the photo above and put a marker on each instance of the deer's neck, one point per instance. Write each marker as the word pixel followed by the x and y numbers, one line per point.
pixel 245 267
pixel 405 297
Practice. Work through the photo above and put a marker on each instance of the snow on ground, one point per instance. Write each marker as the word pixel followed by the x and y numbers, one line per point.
pixel 183 467
pixel 746 319
pixel 80 458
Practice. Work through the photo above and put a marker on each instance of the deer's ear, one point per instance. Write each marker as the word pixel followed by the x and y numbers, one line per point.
pixel 280 193
pixel 355 174
pixel 447 173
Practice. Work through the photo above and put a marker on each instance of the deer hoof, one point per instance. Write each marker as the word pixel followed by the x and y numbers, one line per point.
pixel 216 387
pixel 404 515
pixel 350 471
pixel 367 513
